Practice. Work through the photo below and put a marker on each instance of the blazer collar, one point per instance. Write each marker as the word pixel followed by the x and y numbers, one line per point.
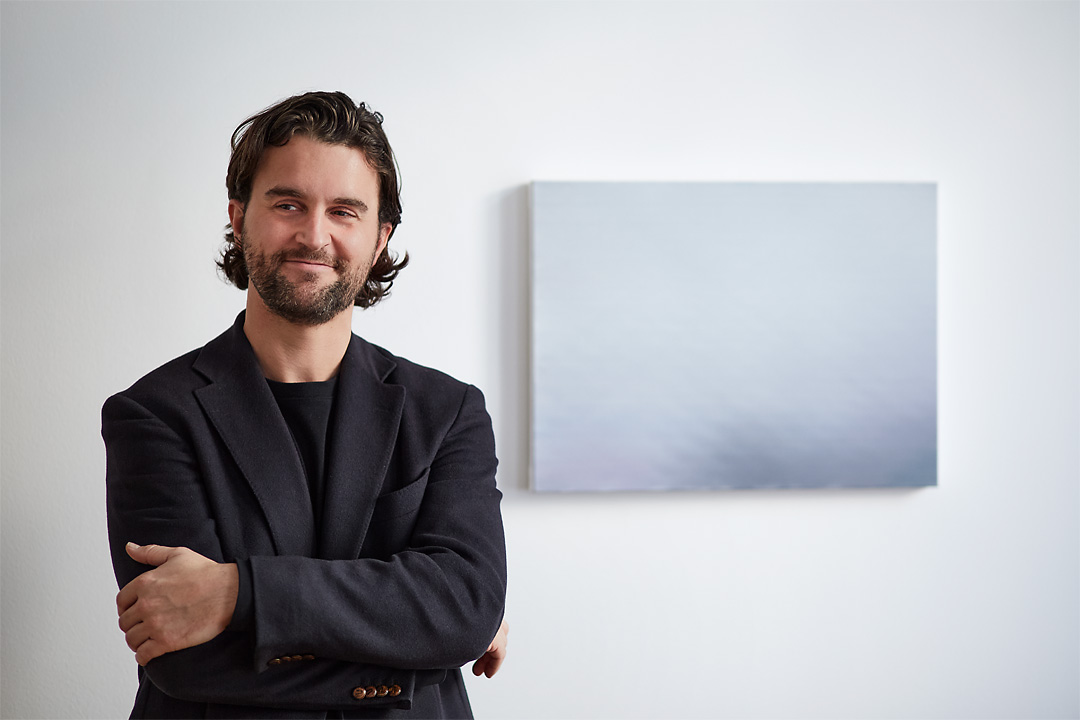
pixel 367 413
pixel 243 411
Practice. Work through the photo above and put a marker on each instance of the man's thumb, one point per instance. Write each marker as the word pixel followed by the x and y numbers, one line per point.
pixel 148 554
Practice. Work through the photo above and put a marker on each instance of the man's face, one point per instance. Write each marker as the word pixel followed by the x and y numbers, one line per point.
pixel 310 231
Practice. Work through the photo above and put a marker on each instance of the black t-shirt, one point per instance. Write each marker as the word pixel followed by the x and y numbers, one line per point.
pixel 307 407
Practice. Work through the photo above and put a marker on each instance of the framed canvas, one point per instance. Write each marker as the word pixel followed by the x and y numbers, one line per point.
pixel 733 335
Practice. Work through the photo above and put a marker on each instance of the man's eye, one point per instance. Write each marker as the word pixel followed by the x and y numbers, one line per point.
pixel 286 206
pixel 344 213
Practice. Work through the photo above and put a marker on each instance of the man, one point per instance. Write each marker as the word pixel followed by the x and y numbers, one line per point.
pixel 302 524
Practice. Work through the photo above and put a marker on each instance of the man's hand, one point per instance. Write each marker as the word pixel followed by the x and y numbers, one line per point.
pixel 489 662
pixel 186 600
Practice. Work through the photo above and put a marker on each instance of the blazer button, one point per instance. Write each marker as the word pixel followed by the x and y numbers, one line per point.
pixel 309 657
pixel 359 693
pixel 395 691
pixel 275 661
pixel 381 691
pixel 297 657
pixel 370 691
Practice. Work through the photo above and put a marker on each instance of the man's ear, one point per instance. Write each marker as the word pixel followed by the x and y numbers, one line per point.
pixel 236 218
pixel 384 237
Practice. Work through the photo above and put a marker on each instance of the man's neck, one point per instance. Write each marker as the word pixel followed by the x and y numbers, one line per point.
pixel 288 352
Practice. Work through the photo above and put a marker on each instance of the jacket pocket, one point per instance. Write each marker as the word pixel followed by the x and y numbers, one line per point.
pixel 402 501
pixel 393 519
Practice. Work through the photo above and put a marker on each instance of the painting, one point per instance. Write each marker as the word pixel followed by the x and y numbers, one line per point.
pixel 692 336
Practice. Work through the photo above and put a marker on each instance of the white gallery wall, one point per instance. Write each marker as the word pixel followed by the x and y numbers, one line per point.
pixel 960 601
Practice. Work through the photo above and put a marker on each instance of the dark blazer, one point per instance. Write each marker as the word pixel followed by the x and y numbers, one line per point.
pixel 409 578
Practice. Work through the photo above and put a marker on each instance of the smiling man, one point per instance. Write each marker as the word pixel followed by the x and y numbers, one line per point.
pixel 309 251
pixel 303 524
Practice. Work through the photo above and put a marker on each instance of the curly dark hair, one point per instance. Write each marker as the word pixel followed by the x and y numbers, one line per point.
pixel 330 117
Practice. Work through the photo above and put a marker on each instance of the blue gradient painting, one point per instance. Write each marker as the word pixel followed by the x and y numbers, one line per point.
pixel 733 335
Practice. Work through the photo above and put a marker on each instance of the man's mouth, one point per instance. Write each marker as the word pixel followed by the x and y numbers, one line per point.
pixel 309 263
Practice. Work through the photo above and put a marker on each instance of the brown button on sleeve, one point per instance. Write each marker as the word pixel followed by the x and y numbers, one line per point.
pixel 395 690
pixel 275 661
pixel 309 657
pixel 381 691
pixel 359 693
pixel 370 691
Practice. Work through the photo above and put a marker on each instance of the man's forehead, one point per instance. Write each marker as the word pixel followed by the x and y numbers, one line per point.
pixel 308 164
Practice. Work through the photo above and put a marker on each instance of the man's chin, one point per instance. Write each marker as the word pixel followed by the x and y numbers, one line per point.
pixel 306 319
pixel 309 303
pixel 310 315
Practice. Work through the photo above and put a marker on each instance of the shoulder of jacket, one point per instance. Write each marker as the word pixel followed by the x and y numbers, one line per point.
pixel 170 379
pixel 408 373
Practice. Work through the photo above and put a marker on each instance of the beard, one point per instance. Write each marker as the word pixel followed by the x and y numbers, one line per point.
pixel 304 303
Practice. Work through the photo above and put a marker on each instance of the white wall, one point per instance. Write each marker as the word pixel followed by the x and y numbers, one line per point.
pixel 959 601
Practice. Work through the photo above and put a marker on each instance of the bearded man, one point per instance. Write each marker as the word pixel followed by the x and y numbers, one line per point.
pixel 301 523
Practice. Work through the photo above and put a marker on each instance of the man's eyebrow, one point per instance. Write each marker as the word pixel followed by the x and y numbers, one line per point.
pixel 351 202
pixel 284 191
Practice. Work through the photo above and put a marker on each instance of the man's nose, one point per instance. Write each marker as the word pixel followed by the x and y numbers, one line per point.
pixel 315 232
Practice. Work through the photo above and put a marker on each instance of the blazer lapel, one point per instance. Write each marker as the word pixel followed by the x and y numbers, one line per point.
pixel 243 411
pixel 366 417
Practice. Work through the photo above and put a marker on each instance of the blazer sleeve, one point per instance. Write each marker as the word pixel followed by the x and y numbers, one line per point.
pixel 155 495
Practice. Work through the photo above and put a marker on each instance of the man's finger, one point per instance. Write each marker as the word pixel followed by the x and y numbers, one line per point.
pixel 150 554
pixel 148 651
pixel 126 598
pixel 494 662
pixel 129 619
pixel 136 636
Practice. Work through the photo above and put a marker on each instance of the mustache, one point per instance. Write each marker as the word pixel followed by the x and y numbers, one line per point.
pixel 315 256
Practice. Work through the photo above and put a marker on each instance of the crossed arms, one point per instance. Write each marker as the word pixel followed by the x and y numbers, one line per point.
pixel 189 599
pixel 434 603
